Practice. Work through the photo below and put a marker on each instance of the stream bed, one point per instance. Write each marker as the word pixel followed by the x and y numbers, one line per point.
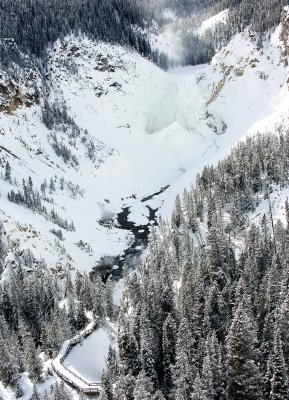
pixel 113 266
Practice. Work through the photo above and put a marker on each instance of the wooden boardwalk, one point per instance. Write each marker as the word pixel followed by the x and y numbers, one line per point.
pixel 71 377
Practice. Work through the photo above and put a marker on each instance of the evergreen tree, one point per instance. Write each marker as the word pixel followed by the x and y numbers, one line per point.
pixel 8 367
pixel 103 395
pixel 168 351
pixel 107 385
pixel 147 347
pixel 128 352
pixel 108 299
pixel 279 380
pixel 35 394
pixel 112 365
pixel 198 393
pixel 143 387
pixel 33 362
pixel 7 172
pixel 244 378
pixel 158 396
pixel 124 388
pixel 61 392
pixel 185 368
pixel 212 373
pixel 177 214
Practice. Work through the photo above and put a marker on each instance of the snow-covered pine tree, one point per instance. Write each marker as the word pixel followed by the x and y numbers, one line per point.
pixel 7 175
pixel 143 387
pixel 244 377
pixel 279 379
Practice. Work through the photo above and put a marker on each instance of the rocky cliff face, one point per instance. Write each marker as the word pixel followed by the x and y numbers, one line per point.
pixel 14 95
pixel 20 80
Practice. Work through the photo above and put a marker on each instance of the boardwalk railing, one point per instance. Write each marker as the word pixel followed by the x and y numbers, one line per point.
pixel 65 373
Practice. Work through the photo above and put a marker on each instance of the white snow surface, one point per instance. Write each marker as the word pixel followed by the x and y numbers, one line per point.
pixel 88 359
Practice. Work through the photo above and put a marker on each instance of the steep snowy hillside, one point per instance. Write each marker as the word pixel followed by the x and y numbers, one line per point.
pixel 135 130
pixel 246 91
pixel 123 132
pixel 210 23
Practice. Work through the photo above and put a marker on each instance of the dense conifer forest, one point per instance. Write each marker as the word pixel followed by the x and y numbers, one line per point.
pixel 36 25
pixel 206 315
pixel 31 320
pixel 259 16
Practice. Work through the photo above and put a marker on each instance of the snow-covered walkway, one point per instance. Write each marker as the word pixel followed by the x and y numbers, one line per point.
pixel 74 378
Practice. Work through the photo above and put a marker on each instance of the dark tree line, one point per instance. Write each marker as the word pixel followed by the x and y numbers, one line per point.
pixel 206 316
pixel 11 58
pixel 34 25
pixel 58 391
pixel 56 119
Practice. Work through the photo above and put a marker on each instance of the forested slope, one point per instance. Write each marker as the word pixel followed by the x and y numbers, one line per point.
pixel 199 46
pixel 206 314
pixel 39 311
pixel 36 24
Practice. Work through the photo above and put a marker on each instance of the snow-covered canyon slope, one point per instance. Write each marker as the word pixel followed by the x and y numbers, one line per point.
pixel 108 130
pixel 135 130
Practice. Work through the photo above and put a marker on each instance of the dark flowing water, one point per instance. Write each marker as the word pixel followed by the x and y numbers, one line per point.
pixel 113 266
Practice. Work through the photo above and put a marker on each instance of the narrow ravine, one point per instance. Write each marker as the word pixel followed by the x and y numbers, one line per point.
pixel 113 267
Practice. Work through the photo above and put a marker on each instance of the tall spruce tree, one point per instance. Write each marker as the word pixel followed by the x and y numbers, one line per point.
pixel 143 387
pixel 244 378
pixel 279 379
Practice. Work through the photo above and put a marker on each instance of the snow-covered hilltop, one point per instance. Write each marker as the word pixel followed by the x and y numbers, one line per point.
pixel 99 129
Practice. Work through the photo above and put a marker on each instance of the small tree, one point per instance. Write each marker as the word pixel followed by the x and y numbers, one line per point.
pixel 7 172
pixel 279 380
pixel 244 378
pixel 143 388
